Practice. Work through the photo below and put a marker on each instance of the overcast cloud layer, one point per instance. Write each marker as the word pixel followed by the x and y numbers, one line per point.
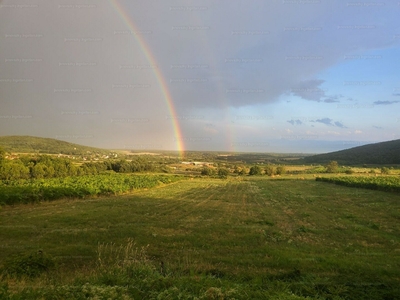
pixel 291 76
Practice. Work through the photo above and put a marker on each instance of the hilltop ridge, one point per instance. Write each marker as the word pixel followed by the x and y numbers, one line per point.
pixel 31 144
pixel 377 153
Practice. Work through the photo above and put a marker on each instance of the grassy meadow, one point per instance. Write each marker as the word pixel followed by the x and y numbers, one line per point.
pixel 252 237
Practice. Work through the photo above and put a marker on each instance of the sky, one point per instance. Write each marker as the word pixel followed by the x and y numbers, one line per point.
pixel 292 76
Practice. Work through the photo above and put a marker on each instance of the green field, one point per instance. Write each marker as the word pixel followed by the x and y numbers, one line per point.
pixel 250 238
pixel 381 183
pixel 36 190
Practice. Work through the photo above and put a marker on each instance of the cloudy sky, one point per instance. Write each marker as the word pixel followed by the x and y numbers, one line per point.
pixel 267 76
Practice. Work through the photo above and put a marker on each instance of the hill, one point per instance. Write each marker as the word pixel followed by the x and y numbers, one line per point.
pixel 379 153
pixel 30 144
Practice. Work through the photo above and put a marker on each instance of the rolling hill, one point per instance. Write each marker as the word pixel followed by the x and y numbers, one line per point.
pixel 379 153
pixel 30 144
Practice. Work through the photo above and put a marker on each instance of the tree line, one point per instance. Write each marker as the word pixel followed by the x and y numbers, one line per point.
pixel 45 166
pixel 254 170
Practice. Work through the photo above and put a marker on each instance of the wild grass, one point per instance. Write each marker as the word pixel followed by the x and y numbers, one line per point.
pixel 248 238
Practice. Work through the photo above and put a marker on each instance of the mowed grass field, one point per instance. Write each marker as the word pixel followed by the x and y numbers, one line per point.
pixel 249 238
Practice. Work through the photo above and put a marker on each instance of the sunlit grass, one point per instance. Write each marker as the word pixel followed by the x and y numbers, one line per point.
pixel 242 237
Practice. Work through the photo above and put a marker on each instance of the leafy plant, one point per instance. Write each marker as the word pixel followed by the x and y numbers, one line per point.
pixel 391 184
pixel 25 191
pixel 255 170
pixel 31 265
pixel 332 166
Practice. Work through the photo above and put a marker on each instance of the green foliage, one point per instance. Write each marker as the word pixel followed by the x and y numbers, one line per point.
pixel 349 171
pixel 38 171
pixel 45 166
pixel 379 153
pixel 239 170
pixel 2 154
pixel 25 191
pixel 30 144
pixel 269 170
pixel 280 170
pixel 390 184
pixel 242 172
pixel 223 172
pixel 32 265
pixel 255 170
pixel 13 170
pixel 313 170
pixel 332 167
pixel 385 171
pixel 206 171
pixel 123 166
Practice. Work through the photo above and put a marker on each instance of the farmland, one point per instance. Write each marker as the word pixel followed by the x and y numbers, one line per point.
pixel 381 183
pixel 26 191
pixel 249 237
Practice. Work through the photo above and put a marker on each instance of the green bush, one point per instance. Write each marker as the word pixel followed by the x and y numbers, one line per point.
pixel 269 170
pixel 332 167
pixel 32 265
pixel 280 170
pixel 28 191
pixel 207 171
pixel 349 171
pixel 255 170
pixel 223 172
pixel 385 171
pixel 382 183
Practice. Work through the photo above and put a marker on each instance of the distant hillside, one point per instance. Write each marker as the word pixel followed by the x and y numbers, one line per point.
pixel 379 153
pixel 30 144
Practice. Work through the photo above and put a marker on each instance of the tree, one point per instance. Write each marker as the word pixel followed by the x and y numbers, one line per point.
pixel 13 170
pixel 280 170
pixel 207 171
pixel 269 170
pixel 236 170
pixel 49 171
pixel 239 170
pixel 255 170
pixel 349 171
pixel 332 167
pixel 223 172
pixel 242 171
pixel 385 170
pixel 2 154
pixel 60 169
pixel 38 171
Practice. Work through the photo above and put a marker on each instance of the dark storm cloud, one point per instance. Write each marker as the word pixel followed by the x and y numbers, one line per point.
pixel 309 90
pixel 86 60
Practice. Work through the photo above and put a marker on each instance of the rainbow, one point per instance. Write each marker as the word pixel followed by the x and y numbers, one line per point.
pixel 157 72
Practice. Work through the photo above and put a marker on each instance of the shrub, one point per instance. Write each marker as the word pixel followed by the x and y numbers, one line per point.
pixel 31 265
pixel 255 170
pixel 207 171
pixel 385 170
pixel 223 172
pixel 280 170
pixel 349 171
pixel 332 167
pixel 269 170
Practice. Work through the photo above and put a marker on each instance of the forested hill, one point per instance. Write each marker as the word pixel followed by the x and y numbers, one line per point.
pixel 379 153
pixel 30 144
